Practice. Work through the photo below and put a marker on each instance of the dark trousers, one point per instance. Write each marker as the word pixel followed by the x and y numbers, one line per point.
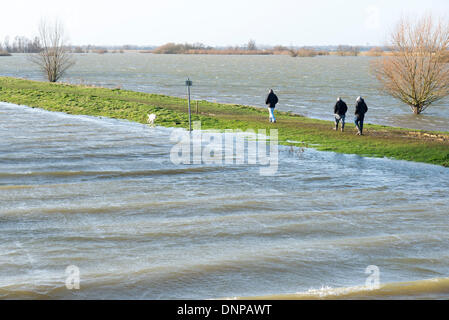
pixel 359 123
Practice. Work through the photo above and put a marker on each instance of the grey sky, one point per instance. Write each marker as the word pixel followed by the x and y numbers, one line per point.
pixel 230 22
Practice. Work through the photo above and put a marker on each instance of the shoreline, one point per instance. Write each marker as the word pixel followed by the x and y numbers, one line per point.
pixel 390 290
pixel 379 141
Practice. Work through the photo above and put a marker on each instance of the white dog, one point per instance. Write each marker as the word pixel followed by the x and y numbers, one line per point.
pixel 151 118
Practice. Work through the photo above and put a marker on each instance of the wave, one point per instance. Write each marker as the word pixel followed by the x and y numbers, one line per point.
pixel 113 173
pixel 436 288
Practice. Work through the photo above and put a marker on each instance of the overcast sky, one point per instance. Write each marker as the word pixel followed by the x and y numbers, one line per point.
pixel 212 22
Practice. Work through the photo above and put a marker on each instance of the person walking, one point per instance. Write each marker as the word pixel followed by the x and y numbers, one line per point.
pixel 360 110
pixel 271 101
pixel 340 110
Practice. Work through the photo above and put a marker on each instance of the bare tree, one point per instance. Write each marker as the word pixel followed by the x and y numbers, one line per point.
pixel 6 44
pixel 54 57
pixel 251 45
pixel 416 73
pixel 342 50
pixel 355 51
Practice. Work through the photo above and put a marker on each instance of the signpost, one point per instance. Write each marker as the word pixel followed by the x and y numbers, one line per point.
pixel 189 83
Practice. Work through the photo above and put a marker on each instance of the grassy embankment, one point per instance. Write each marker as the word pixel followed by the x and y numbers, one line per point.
pixel 379 141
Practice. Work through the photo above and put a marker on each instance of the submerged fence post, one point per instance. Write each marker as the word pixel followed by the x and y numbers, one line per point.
pixel 189 84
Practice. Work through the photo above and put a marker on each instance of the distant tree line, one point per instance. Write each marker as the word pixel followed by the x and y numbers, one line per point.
pixel 173 48
pixel 252 48
pixel 200 48
pixel 343 50
pixel 307 52
pixel 108 49
pixel 20 45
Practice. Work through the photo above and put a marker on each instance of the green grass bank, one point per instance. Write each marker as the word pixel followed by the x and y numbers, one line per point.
pixel 379 141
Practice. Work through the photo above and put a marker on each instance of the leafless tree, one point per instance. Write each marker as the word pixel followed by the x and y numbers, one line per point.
pixel 416 73
pixel 54 57
pixel 251 45
pixel 355 51
pixel 342 50
pixel 345 50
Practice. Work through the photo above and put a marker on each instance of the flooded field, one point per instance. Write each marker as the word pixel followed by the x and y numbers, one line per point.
pixel 308 86
pixel 103 195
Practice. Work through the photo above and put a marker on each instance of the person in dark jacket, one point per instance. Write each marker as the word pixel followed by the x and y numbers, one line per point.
pixel 340 110
pixel 271 101
pixel 360 109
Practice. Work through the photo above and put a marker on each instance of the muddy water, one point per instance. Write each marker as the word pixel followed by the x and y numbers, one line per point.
pixel 103 195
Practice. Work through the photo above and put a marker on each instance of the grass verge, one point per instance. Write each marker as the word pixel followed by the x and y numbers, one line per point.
pixel 379 141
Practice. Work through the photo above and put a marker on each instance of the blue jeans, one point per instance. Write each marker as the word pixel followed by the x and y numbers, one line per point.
pixel 272 118
pixel 359 123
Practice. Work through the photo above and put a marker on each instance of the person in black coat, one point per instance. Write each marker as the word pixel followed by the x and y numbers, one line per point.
pixel 271 101
pixel 340 110
pixel 360 110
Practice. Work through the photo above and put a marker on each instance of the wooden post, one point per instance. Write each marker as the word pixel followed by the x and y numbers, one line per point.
pixel 197 107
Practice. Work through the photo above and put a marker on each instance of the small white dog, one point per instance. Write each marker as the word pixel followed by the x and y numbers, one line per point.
pixel 151 118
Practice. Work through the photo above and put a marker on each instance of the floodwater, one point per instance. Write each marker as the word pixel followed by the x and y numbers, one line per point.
pixel 308 86
pixel 103 196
